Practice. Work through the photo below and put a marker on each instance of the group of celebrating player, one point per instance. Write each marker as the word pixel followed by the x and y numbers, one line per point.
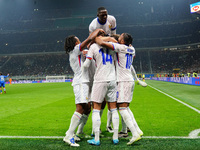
pixel 103 73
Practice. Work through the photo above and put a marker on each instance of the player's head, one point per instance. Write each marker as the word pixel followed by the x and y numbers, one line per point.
pixel 102 14
pixel 116 36
pixel 0 73
pixel 126 39
pixel 70 42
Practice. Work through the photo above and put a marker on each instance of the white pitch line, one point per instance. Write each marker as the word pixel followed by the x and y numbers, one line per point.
pixel 198 111
pixel 61 137
pixel 194 133
pixel 32 137
pixel 170 137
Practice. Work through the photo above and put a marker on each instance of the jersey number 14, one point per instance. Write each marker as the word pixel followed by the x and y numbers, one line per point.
pixel 106 57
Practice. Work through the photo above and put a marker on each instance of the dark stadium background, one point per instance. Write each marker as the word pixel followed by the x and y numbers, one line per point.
pixel 32 33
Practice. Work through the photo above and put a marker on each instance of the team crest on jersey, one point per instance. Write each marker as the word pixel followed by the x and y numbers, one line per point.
pixel 110 26
pixel 86 98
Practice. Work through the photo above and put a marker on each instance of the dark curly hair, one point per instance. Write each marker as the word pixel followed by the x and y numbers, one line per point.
pixel 70 43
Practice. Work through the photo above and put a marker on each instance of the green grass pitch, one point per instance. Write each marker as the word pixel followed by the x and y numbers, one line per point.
pixel 45 109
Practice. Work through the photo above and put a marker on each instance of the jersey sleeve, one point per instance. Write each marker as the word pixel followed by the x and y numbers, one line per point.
pixel 77 49
pixel 121 48
pixel 113 25
pixel 90 52
pixel 91 26
pixel 89 57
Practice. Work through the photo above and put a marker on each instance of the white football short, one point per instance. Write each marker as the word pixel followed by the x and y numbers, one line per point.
pixel 125 91
pixel 81 92
pixel 101 90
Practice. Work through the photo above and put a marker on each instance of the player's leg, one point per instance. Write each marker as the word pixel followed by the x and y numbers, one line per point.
pixel 121 94
pixel 109 121
pixel 99 91
pixel 132 116
pixel 75 120
pixel 4 88
pixel 134 122
pixel 86 93
pixel 112 105
pixel 115 121
pixel 109 117
pixel 96 123
pixel 83 121
pixel 102 107
pixel 123 133
pixel 125 92
pixel 127 119
pixel 0 89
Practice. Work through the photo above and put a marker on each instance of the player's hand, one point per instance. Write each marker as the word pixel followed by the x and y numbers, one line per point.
pixel 108 39
pixel 98 40
pixel 96 33
pixel 142 83
pixel 84 52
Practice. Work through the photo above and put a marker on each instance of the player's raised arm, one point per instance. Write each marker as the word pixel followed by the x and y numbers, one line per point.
pixel 109 39
pixel 91 37
pixel 101 42
pixel 6 76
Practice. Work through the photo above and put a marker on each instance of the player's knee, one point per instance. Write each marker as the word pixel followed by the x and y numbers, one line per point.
pixel 80 108
pixel 87 110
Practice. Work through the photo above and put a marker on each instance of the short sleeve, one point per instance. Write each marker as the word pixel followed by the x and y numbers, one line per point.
pixel 77 49
pixel 92 26
pixel 113 24
pixel 121 48
pixel 90 52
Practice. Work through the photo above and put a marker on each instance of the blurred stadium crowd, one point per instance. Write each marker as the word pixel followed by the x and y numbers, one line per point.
pixel 58 64
pixel 166 36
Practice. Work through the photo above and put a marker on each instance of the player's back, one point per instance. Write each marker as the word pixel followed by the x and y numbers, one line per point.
pixel 125 56
pixel 75 59
pixel 2 78
pixel 104 59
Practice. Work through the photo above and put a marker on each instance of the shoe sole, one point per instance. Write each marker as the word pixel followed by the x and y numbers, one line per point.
pixel 134 141
pixel 122 136
pixel 94 144
pixel 70 144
